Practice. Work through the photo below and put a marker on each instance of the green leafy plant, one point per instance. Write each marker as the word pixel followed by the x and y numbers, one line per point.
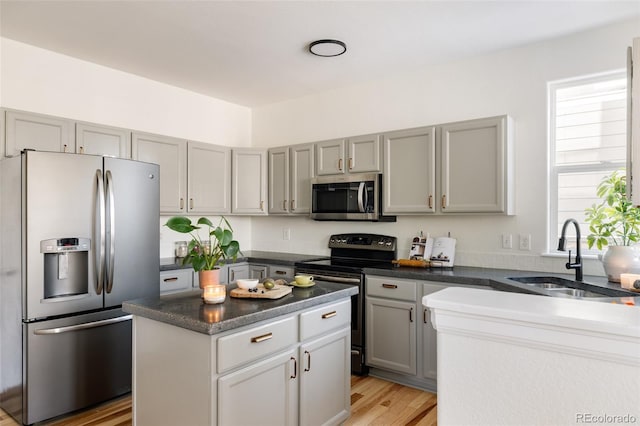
pixel 220 238
pixel 615 220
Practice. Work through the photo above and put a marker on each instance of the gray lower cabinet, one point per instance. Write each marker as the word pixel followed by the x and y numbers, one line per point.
pixel 175 281
pixel 103 140
pixel 259 272
pixel 401 340
pixel 391 324
pixel 280 271
pixel 238 271
pixel 25 130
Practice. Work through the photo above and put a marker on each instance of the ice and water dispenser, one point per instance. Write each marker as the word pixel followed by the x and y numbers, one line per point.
pixel 66 266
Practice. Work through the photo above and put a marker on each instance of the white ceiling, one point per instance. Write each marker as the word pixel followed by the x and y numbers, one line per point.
pixel 254 52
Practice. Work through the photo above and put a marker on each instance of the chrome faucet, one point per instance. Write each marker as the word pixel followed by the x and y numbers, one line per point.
pixel 577 265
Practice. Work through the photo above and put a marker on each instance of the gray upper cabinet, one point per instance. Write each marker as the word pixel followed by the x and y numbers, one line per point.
pixel 353 155
pixel 290 173
pixel 171 155
pixel 279 181
pixel 363 154
pixel 463 167
pixel 249 181
pixel 209 178
pixel 103 140
pixel 40 132
pixel 302 159
pixel 476 175
pixel 330 159
pixel 409 171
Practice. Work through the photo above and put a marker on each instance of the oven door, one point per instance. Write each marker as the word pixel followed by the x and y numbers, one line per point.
pixel 352 197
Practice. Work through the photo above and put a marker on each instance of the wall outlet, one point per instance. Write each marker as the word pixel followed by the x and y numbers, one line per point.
pixel 286 234
pixel 507 241
pixel 525 241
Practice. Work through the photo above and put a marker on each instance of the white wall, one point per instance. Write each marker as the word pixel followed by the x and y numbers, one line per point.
pixel 38 80
pixel 508 82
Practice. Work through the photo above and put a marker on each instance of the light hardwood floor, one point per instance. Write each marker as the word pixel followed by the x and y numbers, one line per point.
pixel 373 402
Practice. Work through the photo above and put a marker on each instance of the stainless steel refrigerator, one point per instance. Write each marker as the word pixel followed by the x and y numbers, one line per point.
pixel 79 234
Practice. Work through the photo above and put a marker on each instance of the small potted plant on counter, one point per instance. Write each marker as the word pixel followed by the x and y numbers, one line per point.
pixel 205 254
pixel 615 224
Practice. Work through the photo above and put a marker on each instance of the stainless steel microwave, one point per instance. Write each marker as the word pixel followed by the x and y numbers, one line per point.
pixel 348 197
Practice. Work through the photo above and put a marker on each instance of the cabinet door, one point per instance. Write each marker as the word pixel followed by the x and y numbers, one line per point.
pixel 279 271
pixel 175 281
pixel 103 140
pixel 208 178
pixel 259 272
pixel 474 166
pixel 409 171
pixel 39 132
pixel 249 181
pixel 429 336
pixel 279 181
pixel 391 335
pixel 237 272
pixel 325 379
pixel 330 159
pixel 264 393
pixel 171 155
pixel 364 154
pixel 302 159
pixel 633 112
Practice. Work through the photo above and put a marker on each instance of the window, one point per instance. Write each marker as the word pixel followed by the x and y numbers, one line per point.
pixel 587 138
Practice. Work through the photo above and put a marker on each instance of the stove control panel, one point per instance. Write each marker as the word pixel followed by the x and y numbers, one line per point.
pixel 363 241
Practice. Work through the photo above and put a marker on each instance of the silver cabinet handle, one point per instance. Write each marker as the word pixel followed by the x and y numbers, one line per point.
pixel 293 205
pixel 94 324
pixel 191 203
pixel 181 203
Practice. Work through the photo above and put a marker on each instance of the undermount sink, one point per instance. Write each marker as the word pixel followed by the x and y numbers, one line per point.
pixel 555 286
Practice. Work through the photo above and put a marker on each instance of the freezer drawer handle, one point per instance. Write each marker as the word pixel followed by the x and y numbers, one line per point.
pixel 94 324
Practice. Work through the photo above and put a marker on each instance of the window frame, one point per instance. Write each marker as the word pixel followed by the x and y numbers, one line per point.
pixel 553 170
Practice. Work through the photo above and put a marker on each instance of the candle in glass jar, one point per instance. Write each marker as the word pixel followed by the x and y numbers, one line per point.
pixel 206 247
pixel 181 248
pixel 214 294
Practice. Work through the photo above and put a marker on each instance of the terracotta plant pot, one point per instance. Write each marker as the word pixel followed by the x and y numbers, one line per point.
pixel 209 278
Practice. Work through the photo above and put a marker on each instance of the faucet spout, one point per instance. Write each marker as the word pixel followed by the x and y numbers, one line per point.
pixel 577 265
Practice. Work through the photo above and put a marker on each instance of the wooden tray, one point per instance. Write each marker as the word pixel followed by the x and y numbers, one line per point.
pixel 275 293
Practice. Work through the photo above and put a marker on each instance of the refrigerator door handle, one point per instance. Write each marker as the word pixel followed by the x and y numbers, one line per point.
pixel 100 244
pixel 86 325
pixel 112 229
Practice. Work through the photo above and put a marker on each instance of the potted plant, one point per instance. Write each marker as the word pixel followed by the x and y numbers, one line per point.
pixel 205 254
pixel 615 223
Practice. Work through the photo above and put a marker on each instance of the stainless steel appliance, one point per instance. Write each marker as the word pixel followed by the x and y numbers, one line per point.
pixel 79 235
pixel 350 254
pixel 348 197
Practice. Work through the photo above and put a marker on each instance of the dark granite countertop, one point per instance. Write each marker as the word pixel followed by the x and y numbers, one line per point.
pixel 187 310
pixel 253 256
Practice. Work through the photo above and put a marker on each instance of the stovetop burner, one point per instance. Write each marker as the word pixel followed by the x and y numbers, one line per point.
pixel 353 252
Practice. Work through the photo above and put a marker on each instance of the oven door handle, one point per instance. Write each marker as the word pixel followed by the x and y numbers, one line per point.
pixel 337 279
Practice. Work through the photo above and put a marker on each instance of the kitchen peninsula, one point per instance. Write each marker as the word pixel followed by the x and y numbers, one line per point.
pixel 245 361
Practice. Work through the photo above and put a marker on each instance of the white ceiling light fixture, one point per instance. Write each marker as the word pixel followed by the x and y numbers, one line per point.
pixel 327 47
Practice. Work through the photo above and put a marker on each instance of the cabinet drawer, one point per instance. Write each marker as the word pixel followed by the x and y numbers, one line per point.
pixel 392 288
pixel 278 271
pixel 244 346
pixel 320 320
pixel 174 281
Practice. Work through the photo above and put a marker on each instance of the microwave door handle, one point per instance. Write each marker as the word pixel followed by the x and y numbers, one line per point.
pixel 361 195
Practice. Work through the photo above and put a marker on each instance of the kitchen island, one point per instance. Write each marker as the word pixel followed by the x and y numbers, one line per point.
pixel 507 358
pixel 245 361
